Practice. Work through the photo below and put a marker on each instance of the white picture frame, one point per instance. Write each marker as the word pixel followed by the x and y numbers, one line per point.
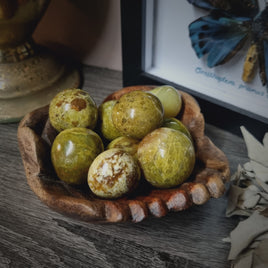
pixel 168 54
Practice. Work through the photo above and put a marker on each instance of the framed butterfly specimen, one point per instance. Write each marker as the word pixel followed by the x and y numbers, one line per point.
pixel 215 50
pixel 224 31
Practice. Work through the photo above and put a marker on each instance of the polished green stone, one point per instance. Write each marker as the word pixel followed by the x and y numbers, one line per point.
pixel 176 124
pixel 126 144
pixel 137 113
pixel 107 128
pixel 167 157
pixel 73 108
pixel 170 99
pixel 113 173
pixel 72 153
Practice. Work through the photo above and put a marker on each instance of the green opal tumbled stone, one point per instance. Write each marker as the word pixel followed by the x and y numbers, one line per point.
pixel 176 124
pixel 107 127
pixel 72 153
pixel 170 99
pixel 73 108
pixel 137 113
pixel 126 144
pixel 113 174
pixel 167 157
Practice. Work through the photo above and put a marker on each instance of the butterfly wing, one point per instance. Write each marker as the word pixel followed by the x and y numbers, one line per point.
pixel 218 36
pixel 264 66
pixel 260 37
pixel 245 8
pixel 265 46
pixel 250 64
pixel 211 4
pixel 257 54
pixel 248 8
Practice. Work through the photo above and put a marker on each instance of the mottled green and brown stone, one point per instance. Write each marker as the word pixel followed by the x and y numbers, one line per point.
pixel 113 174
pixel 176 124
pixel 170 99
pixel 73 108
pixel 167 157
pixel 126 144
pixel 108 130
pixel 137 113
pixel 72 153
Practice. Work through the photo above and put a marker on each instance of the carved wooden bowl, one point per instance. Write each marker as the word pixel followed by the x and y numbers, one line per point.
pixel 211 171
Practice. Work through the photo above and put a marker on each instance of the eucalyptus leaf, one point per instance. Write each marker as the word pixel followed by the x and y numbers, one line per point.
pixel 264 212
pixel 260 259
pixel 256 150
pixel 251 202
pixel 244 261
pixel 245 233
pixel 264 198
pixel 248 167
pixel 263 185
pixel 235 193
pixel 265 140
pixel 248 196
pixel 260 171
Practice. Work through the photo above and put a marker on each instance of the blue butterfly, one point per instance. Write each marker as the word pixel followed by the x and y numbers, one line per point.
pixel 222 33
pixel 247 8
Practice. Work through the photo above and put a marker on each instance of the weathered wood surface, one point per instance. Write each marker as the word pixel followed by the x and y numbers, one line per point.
pixel 33 235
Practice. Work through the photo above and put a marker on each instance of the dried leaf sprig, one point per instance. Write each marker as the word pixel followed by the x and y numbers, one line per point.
pixel 248 196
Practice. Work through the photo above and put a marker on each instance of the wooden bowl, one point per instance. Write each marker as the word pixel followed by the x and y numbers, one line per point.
pixel 35 136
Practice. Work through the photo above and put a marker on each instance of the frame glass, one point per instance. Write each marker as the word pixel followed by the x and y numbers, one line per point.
pixel 157 50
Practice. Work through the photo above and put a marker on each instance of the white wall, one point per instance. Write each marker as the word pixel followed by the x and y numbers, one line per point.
pixel 88 30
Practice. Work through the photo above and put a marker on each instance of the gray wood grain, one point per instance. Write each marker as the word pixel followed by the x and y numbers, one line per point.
pixel 32 235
